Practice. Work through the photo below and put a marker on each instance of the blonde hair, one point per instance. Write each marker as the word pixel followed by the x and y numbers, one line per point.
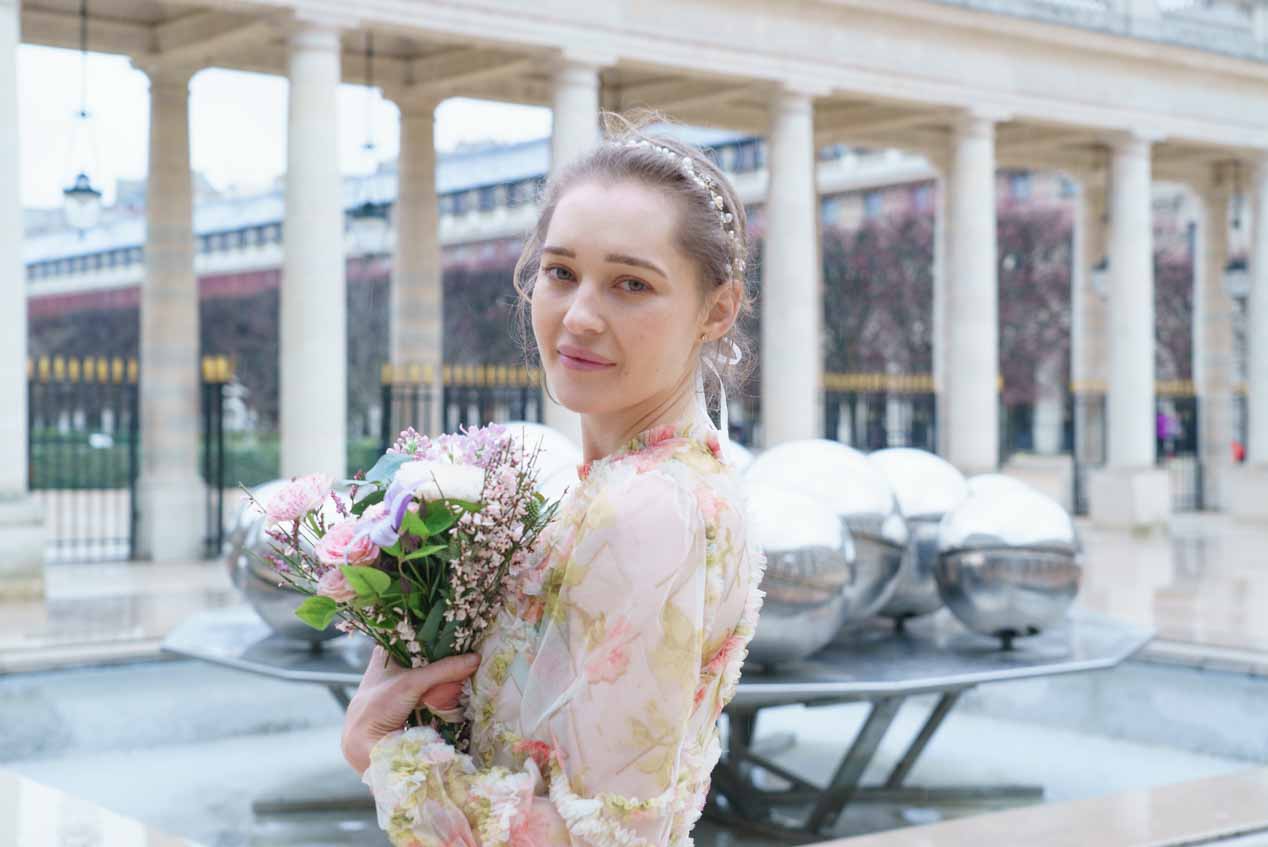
pixel 701 235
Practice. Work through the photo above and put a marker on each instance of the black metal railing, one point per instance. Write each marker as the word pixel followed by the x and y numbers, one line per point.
pixel 872 411
pixel 470 396
pixel 82 455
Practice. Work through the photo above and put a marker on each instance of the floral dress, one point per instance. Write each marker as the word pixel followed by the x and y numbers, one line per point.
pixel 594 710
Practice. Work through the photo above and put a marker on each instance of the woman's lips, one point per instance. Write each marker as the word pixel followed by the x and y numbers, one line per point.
pixel 581 364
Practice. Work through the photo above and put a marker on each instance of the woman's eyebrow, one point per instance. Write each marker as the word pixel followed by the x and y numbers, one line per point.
pixel 623 259
pixel 619 258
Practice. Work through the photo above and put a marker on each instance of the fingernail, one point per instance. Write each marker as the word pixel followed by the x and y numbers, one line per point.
pixel 472 659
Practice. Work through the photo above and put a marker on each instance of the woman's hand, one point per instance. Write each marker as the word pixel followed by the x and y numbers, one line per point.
pixel 388 695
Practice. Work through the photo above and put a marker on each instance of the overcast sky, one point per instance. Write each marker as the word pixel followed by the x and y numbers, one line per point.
pixel 237 124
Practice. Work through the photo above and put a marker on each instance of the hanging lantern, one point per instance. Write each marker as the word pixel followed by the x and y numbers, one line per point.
pixel 81 200
pixel 82 204
pixel 1100 278
pixel 367 220
pixel 1237 278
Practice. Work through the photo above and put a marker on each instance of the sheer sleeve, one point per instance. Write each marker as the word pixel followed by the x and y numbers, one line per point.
pixel 608 703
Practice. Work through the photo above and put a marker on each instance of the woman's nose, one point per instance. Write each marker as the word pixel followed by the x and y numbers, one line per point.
pixel 583 314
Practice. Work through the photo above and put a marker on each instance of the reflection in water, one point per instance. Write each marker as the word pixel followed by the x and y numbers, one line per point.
pixel 1204 582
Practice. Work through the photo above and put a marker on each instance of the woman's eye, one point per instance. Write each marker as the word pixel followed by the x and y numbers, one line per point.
pixel 555 271
pixel 642 286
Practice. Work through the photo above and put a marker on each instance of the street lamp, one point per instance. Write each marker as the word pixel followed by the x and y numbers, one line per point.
pixel 81 200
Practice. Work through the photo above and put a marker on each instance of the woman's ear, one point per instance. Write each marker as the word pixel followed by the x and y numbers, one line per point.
pixel 723 310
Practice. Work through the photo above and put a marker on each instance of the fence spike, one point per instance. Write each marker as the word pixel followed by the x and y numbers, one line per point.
pixel 132 370
pixel 429 374
pixel 43 368
pixel 447 374
pixel 103 369
pixel 385 374
pixel 59 369
pixel 116 370
pixel 30 369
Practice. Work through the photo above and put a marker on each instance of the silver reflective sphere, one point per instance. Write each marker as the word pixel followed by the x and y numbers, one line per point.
pixel 1010 563
pixel 927 487
pixel 256 579
pixel 990 483
pixel 842 479
pixel 808 565
pixel 738 455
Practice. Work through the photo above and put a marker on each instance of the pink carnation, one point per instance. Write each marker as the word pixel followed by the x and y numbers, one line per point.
pixel 341 545
pixel 334 585
pixel 299 497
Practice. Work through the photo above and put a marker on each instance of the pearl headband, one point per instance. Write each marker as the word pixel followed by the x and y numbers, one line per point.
pixel 735 265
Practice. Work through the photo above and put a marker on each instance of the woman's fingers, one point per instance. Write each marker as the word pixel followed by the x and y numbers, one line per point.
pixel 443 696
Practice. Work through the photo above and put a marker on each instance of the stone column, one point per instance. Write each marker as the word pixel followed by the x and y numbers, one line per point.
pixel 575 130
pixel 939 317
pixel 972 332
pixel 1257 326
pixel 313 330
pixel 1247 489
pixel 1213 343
pixel 1131 491
pixel 792 299
pixel 1088 319
pixel 171 491
pixel 417 313
pixel 21 520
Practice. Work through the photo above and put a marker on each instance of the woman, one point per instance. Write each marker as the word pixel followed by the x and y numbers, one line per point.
pixel 599 687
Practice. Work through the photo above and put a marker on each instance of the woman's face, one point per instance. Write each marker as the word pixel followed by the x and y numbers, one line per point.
pixel 614 287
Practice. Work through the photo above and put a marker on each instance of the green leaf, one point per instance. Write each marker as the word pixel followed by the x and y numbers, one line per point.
pixel 444 646
pixel 367 582
pixel 387 466
pixel 431 626
pixel 359 507
pixel 412 524
pixel 317 611
pixel 439 517
pixel 469 505
pixel 424 552
pixel 415 600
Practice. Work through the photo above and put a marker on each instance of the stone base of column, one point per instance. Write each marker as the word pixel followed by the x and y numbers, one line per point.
pixel 22 542
pixel 1245 491
pixel 172 520
pixel 1129 498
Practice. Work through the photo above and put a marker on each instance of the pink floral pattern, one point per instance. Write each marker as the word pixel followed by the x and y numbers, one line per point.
pixel 594 710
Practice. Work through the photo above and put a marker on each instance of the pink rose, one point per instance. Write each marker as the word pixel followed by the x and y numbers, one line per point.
pixel 341 545
pixel 299 497
pixel 334 585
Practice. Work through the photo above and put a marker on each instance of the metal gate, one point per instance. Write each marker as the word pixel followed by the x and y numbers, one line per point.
pixel 472 395
pixel 872 411
pixel 82 455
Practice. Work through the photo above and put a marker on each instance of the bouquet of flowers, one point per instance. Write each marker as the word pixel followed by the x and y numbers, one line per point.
pixel 421 553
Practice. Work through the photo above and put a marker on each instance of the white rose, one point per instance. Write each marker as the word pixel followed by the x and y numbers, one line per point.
pixel 433 480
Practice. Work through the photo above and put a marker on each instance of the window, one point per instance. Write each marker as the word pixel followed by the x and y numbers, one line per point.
pixel 760 148
pixel 746 156
pixel 726 157
pixel 1068 188
pixel 873 204
pixel 922 197
pixel 1019 186
pixel 487 198
pixel 204 243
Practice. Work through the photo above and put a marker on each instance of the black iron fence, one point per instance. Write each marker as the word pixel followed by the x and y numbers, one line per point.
pixel 470 395
pixel 872 411
pixel 216 373
pixel 82 455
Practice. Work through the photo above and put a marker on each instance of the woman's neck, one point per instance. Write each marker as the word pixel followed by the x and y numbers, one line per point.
pixel 602 435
